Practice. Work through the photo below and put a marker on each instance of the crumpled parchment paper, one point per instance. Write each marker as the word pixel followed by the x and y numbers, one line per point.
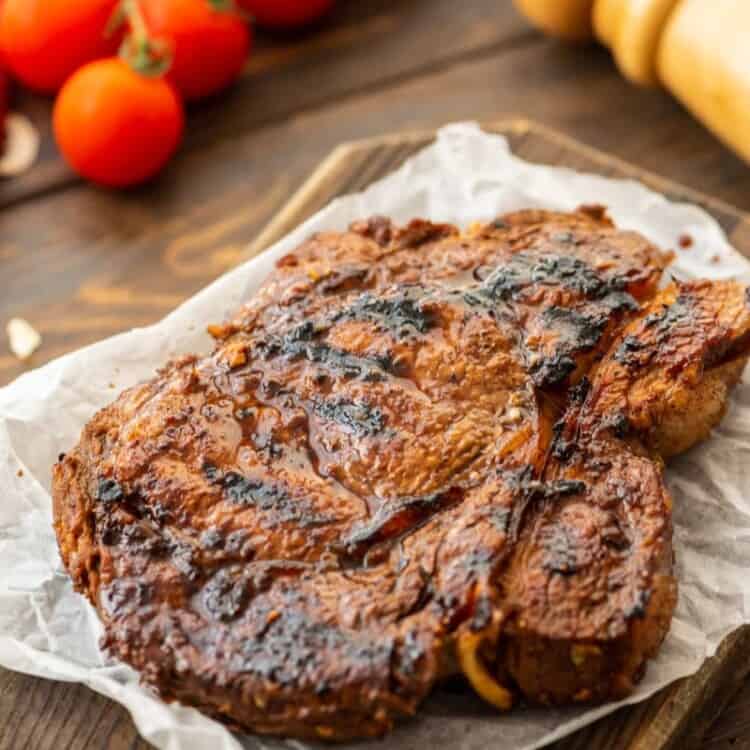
pixel 48 630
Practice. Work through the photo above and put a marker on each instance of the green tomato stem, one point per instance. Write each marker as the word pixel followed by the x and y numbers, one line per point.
pixel 145 54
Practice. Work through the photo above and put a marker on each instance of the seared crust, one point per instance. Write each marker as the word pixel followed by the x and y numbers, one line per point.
pixel 365 487
pixel 670 371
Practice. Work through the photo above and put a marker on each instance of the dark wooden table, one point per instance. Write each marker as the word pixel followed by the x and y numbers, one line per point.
pixel 82 264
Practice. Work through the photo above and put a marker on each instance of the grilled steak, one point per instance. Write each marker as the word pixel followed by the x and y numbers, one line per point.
pixel 414 453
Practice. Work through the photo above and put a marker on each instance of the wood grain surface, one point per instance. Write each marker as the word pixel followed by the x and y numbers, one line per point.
pixel 82 263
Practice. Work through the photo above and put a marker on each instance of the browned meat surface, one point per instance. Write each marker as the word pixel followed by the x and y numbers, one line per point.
pixel 414 453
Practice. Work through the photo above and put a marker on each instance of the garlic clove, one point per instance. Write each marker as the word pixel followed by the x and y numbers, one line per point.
pixel 22 143
pixel 23 338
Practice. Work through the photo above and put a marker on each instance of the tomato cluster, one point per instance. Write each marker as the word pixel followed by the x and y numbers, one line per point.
pixel 119 118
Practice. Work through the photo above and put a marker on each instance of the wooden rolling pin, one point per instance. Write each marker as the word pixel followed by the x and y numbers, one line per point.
pixel 698 49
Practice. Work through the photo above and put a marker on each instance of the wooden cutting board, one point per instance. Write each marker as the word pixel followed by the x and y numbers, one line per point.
pixel 680 714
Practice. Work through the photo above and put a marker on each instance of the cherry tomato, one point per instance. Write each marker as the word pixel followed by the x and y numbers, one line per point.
pixel 286 13
pixel 209 38
pixel 4 91
pixel 45 41
pixel 116 126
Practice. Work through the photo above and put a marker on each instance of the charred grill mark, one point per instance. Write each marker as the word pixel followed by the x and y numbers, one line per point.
pixel 565 432
pixel 576 333
pixel 680 312
pixel 552 371
pixel 472 299
pixel 245 413
pixel 639 606
pixel 408 655
pixel 500 518
pixel 620 425
pixel 359 418
pixel 562 448
pixel 576 329
pixel 225 595
pixel 182 556
pixel 113 529
pixel 212 473
pixel 577 394
pixel 619 301
pixel 564 437
pixel 656 330
pixel 112 497
pixel 231 589
pixel 524 484
pixel 523 270
pixel 396 518
pixel 268 446
pixel 211 539
pixel 124 596
pixel 307 331
pixel 403 315
pixel 109 491
pixel 627 350
pixel 296 346
pixel 560 556
pixel 266 496
pixel 295 650
pixel 139 531
pixel 243 491
pixel 349 365
pixel 554 490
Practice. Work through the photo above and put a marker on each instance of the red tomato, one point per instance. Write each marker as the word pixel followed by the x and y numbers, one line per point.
pixel 115 126
pixel 286 13
pixel 4 94
pixel 4 90
pixel 210 42
pixel 45 41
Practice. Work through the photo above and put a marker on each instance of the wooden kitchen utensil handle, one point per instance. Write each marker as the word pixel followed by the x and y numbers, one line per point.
pixel 632 29
pixel 567 19
pixel 698 50
pixel 704 60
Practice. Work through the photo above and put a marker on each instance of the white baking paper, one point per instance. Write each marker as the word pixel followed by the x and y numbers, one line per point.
pixel 48 630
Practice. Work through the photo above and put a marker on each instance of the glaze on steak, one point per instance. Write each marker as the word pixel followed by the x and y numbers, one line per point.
pixel 414 453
